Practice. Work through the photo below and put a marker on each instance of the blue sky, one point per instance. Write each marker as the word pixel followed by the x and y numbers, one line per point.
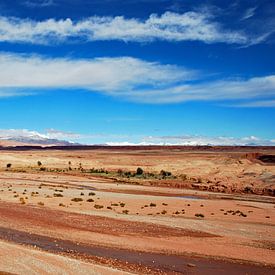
pixel 162 72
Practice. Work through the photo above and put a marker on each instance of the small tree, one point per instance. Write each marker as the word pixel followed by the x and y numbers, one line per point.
pixel 139 171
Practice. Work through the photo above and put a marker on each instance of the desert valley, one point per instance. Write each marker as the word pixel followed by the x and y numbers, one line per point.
pixel 137 210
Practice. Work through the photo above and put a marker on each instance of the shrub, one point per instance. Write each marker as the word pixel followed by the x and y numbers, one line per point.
pixel 61 204
pixel 91 194
pixel 199 215
pixel 9 165
pixel 41 203
pixel 76 199
pixel 164 173
pixel 139 171
pixel 125 212
pixel 152 204
pixel 90 200
pixel 97 206
pixel 39 163
pixel 163 212
pixel 57 195
pixel 122 204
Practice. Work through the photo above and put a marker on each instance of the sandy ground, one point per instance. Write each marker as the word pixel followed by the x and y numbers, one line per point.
pixel 134 228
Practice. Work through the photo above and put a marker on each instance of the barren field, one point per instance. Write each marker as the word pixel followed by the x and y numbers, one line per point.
pixel 94 212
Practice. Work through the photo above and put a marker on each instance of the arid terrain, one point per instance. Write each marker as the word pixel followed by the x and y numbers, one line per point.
pixel 154 210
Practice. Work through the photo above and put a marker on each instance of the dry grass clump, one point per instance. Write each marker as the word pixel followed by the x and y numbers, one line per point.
pixel 76 199
pixel 22 201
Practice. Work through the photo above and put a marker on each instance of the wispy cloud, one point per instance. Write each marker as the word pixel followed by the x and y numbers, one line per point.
pixel 249 13
pixel 126 78
pixel 58 134
pixel 189 26
pixel 257 103
pixel 39 3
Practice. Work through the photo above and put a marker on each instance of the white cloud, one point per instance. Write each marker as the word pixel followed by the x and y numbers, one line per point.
pixel 197 140
pixel 204 140
pixel 109 75
pixel 126 78
pixel 189 26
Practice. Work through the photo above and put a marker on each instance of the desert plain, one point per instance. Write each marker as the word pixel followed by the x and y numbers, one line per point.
pixel 137 210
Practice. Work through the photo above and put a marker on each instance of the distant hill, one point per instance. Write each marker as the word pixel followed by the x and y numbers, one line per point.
pixel 32 141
